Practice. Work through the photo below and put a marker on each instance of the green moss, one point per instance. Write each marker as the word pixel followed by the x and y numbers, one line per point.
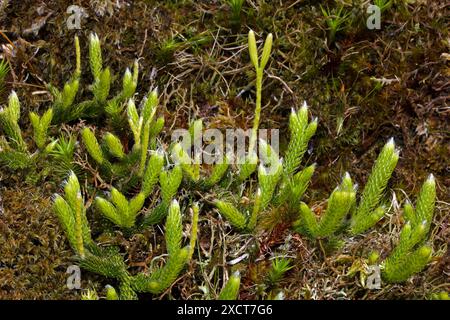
pixel 35 254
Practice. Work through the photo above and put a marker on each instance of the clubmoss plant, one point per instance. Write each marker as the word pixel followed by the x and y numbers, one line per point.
pixel 229 292
pixel 66 108
pixel 369 212
pixel 111 293
pixel 342 201
pixel 40 127
pixel 259 65
pixel 284 184
pixel 71 213
pixel 411 254
pixel 440 296
pixel 279 183
pixel 194 174
pixel 9 118
pixel 121 211
pixel 269 175
pixel 110 155
pixel 62 156
pixel 14 151
pixel 231 289
pixel 144 177
pixel 108 262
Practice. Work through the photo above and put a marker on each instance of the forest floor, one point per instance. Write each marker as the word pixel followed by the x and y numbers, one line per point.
pixel 365 86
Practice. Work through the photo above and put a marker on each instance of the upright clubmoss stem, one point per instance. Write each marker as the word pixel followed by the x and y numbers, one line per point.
pixel 259 80
pixel 194 230
pixel 144 148
pixel 78 58
pixel 259 67
pixel 78 225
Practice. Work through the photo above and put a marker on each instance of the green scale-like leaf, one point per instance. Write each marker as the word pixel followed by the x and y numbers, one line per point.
pixel 366 215
pixel 152 172
pixel 170 182
pixel 410 255
pixel 339 204
pixel 174 229
pixel 301 133
pixel 92 146
pixel 231 289
pixel 121 211
pixel 9 118
pixel 232 214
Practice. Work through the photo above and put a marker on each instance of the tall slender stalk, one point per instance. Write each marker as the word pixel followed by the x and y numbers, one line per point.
pixel 259 67
pixel 78 225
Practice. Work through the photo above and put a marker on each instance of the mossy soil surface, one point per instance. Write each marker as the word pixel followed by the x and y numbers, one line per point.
pixel 364 86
